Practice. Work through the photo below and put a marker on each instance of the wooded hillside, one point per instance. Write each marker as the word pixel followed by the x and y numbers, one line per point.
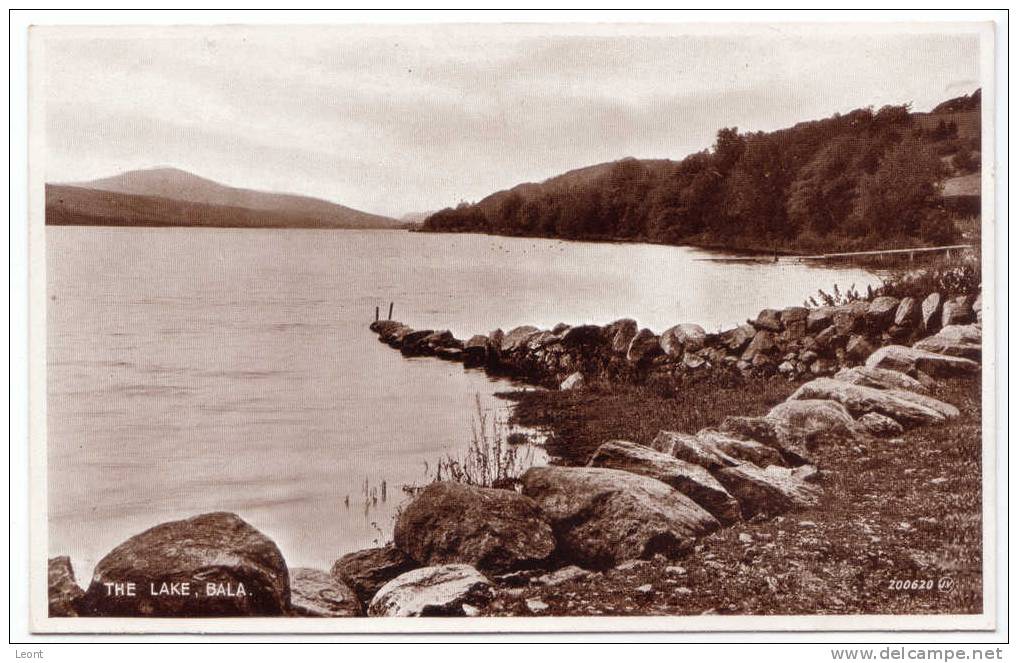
pixel 866 179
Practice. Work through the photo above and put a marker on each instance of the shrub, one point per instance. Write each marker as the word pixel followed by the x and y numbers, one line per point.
pixel 837 297
pixel 950 277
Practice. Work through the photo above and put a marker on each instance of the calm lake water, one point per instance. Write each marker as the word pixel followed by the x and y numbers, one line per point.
pixel 203 370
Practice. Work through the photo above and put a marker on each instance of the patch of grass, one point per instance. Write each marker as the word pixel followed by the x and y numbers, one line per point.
pixel 892 510
pixel 490 460
pixel 578 422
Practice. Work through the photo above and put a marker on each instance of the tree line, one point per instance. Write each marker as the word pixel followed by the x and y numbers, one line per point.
pixel 866 179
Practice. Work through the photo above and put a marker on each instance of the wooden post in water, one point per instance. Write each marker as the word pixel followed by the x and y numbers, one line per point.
pixel 376 314
pixel 390 311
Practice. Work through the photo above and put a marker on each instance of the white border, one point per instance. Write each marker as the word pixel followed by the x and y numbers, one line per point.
pixel 502 625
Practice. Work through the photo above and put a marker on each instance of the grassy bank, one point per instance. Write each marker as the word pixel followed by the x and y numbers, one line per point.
pixel 579 421
pixel 892 511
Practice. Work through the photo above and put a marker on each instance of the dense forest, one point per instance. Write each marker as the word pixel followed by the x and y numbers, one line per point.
pixel 865 179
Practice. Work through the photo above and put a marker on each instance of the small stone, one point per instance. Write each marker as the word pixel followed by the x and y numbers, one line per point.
pixel 683 590
pixel 563 575
pixel 675 570
pixel 807 524
pixel 536 605
pixel 938 481
pixel 645 589
pixel 880 425
pixel 574 381
pixel 745 538
pixel 858 348
pixel 930 312
pixel 632 564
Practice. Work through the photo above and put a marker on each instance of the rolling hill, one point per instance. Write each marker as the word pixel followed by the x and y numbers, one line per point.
pixel 172 197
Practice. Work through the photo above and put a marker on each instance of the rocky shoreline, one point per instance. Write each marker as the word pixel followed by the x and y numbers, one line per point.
pixel 455 544
pixel 794 341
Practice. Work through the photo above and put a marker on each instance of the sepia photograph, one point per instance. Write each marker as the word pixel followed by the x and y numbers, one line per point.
pixel 512 326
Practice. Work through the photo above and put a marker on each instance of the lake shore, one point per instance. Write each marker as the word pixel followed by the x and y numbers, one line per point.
pixel 847 555
pixel 665 443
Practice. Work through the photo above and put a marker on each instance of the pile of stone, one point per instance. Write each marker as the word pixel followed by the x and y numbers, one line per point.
pixel 793 341
pixel 453 543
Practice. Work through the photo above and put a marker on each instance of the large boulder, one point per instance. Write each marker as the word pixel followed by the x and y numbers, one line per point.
pixel 829 339
pixel 476 351
pixel 391 332
pixel 385 328
pixel 775 433
pixel 415 343
pixel 816 420
pixel 850 318
pixel 878 425
pixel 230 568
pixel 64 592
pixel 762 344
pixel 956 341
pixel 517 338
pixel 541 340
pixel 956 311
pixel 910 360
pixel 768 319
pixel 880 313
pixel 685 337
pixel 901 406
pixel 951 347
pixel 495 338
pixel 972 333
pixel 946 410
pixel 644 347
pixel 691 480
pixel 739 449
pixel 692 449
pixel 929 312
pixel 442 339
pixel 315 593
pixel 583 336
pixel 432 591
pixel 858 348
pixel 907 313
pixel 794 315
pixel 668 441
pixel 794 322
pixel 604 516
pixel 365 571
pixel 769 491
pixel 493 530
pixel 819 319
pixel 619 334
pixel 880 378
pixel 737 339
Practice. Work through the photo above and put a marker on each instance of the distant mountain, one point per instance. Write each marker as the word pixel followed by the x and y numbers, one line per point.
pixel 173 197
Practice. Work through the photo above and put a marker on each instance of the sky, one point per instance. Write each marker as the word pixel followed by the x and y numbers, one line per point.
pixel 402 119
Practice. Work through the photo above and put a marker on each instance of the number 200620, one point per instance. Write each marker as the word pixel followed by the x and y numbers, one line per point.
pixel 912 585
